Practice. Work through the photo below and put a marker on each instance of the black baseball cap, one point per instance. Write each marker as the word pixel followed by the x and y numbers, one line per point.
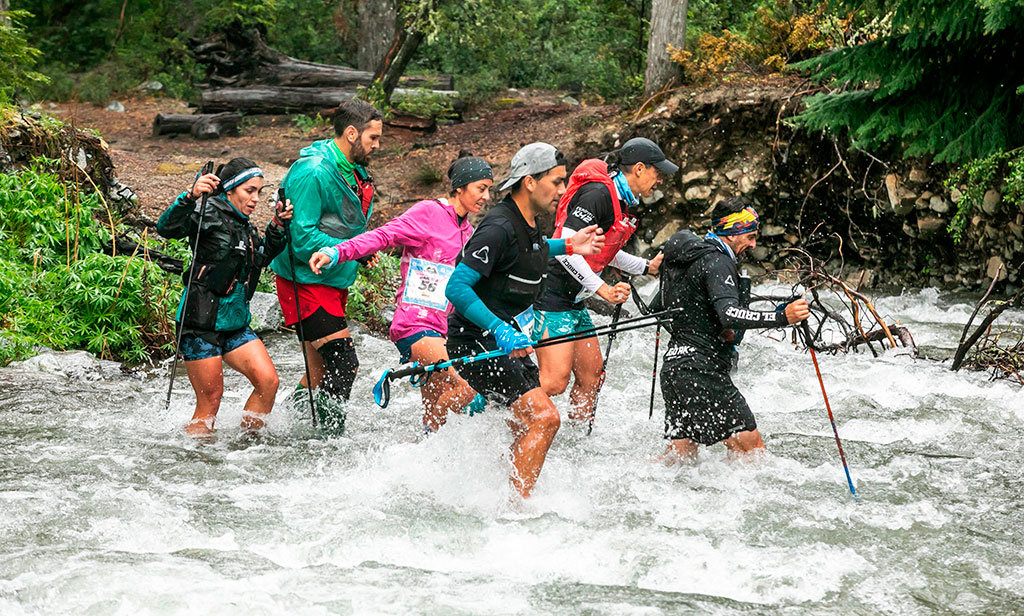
pixel 641 150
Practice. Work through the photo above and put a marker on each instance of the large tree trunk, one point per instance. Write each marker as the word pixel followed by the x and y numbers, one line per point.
pixel 668 27
pixel 401 50
pixel 377 29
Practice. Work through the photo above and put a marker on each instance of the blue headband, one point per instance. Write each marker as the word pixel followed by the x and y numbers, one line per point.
pixel 241 178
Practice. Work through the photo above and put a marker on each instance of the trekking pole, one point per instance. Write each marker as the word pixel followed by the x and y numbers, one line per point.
pixel 382 390
pixel 206 170
pixel 831 418
pixel 298 309
pixel 654 373
pixel 604 363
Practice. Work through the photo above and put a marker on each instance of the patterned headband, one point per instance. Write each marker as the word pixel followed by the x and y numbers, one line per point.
pixel 241 178
pixel 737 223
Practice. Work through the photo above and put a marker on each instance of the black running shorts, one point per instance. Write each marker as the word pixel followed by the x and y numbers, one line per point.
pixel 502 379
pixel 702 403
pixel 321 324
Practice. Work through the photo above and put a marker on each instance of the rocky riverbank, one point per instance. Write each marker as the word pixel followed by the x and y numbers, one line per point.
pixel 876 219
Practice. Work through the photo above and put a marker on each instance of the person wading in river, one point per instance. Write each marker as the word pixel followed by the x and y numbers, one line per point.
pixel 431 234
pixel 600 194
pixel 229 256
pixel 499 276
pixel 699 275
pixel 333 198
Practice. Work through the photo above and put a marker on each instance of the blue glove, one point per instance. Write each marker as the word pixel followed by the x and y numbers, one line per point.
pixel 331 252
pixel 509 338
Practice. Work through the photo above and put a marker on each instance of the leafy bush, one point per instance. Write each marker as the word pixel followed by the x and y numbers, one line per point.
pixel 58 290
pixel 975 178
pixel 424 103
pixel 308 124
pixel 373 291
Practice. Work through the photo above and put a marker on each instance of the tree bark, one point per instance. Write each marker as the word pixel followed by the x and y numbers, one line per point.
pixel 401 50
pixel 239 59
pixel 668 27
pixel 268 99
pixel 377 19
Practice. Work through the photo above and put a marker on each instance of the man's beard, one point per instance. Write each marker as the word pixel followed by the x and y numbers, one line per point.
pixel 359 155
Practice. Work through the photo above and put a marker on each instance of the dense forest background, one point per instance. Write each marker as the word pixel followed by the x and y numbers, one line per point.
pixel 937 83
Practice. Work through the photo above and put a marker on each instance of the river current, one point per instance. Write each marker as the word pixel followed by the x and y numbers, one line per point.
pixel 107 508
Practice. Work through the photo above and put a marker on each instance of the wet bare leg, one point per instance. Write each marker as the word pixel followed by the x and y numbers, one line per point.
pixel 444 391
pixel 680 451
pixel 251 359
pixel 539 422
pixel 745 445
pixel 207 378
pixel 586 368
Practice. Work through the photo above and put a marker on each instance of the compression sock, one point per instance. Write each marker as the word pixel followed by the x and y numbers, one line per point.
pixel 340 367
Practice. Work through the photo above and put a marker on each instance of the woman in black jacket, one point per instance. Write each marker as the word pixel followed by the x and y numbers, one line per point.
pixel 229 257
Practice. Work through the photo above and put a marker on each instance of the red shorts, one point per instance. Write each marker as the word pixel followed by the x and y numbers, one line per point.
pixel 311 297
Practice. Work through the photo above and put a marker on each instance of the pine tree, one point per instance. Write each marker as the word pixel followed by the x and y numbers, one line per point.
pixel 947 82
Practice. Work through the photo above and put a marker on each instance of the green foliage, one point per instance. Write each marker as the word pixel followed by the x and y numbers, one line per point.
pixel 373 291
pixel 308 124
pixel 943 83
pixel 58 290
pixel 588 45
pixel 424 103
pixel 16 56
pixel 975 178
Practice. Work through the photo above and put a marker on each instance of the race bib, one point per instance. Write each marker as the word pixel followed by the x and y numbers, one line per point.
pixel 524 320
pixel 425 284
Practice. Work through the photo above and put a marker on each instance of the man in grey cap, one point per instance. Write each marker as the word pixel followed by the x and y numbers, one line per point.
pixel 500 275
pixel 606 195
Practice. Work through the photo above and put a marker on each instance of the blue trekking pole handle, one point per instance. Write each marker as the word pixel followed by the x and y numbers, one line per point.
pixel 382 390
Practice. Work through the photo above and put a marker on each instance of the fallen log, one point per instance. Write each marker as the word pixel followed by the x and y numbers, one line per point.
pixel 280 99
pixel 270 99
pixel 201 126
pixel 242 58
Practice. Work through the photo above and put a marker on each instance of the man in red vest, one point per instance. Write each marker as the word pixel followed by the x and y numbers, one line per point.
pixel 603 194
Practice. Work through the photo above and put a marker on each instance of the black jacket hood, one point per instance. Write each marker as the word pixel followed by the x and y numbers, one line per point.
pixel 685 247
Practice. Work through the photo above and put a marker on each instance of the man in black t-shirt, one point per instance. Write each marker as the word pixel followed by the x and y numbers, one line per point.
pixel 700 278
pixel 500 275
pixel 605 195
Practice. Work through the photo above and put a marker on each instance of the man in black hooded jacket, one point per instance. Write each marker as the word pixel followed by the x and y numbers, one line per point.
pixel 699 275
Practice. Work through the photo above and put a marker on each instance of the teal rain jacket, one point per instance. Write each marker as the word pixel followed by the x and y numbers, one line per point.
pixel 327 211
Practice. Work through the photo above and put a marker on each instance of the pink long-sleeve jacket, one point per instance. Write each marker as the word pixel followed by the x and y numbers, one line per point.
pixel 431 236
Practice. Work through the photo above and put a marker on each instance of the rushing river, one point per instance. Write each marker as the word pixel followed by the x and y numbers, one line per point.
pixel 107 508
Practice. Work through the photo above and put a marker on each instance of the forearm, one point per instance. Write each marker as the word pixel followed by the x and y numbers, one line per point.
pixel 631 264
pixel 176 221
pixel 556 247
pixel 733 316
pixel 465 300
pixel 578 267
pixel 274 243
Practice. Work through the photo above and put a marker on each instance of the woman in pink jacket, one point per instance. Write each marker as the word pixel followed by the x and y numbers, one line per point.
pixel 431 234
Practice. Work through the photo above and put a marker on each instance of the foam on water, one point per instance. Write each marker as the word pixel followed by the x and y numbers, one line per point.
pixel 107 508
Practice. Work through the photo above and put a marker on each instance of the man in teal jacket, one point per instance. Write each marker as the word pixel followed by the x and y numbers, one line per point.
pixel 332 196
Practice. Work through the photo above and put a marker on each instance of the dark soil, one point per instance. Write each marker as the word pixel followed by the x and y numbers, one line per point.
pixel 409 166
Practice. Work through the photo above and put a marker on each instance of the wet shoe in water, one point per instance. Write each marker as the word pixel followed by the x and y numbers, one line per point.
pixel 331 414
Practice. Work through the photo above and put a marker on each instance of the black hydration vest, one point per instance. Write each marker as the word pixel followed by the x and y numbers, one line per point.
pixel 509 293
